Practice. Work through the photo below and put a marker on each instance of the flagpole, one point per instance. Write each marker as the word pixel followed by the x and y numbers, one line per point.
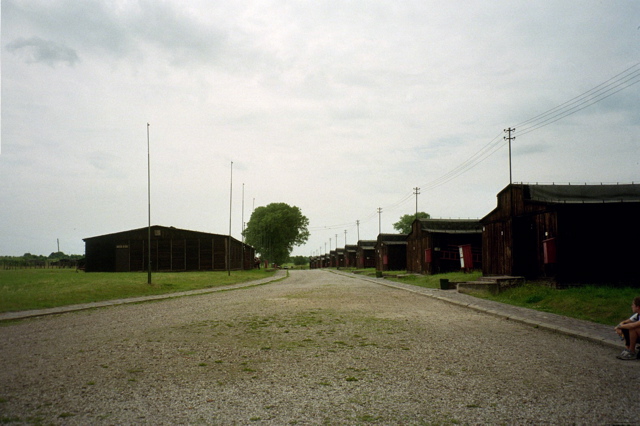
pixel 230 205
pixel 149 204
pixel 242 229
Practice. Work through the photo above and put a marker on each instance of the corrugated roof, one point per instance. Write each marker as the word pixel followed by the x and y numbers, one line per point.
pixel 144 230
pixel 451 226
pixel 367 244
pixel 153 227
pixel 392 237
pixel 583 193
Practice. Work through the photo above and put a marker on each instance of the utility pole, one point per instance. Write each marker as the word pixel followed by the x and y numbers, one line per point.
pixel 345 238
pixel 330 244
pixel 379 220
pixel 416 192
pixel 358 228
pixel 510 138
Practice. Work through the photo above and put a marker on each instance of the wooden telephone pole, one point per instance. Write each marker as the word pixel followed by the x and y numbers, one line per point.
pixel 510 138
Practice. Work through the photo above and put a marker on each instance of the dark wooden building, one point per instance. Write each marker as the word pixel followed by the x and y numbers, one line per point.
pixel 350 255
pixel 434 245
pixel 313 262
pixel 391 252
pixel 333 259
pixel 565 233
pixel 340 258
pixel 172 249
pixel 366 254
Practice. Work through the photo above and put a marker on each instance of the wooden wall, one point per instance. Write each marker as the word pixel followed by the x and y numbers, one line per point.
pixel 171 250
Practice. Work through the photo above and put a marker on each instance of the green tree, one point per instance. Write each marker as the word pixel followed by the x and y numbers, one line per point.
pixel 58 255
pixel 403 225
pixel 275 229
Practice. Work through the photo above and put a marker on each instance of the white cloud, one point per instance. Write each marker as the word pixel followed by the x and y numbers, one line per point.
pixel 35 49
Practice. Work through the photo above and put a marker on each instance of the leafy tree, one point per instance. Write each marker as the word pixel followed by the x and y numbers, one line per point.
pixel 403 225
pixel 58 255
pixel 275 229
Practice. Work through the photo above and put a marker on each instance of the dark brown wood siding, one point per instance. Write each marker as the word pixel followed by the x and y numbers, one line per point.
pixel 391 252
pixel 366 254
pixel 593 242
pixel 433 245
pixel 171 250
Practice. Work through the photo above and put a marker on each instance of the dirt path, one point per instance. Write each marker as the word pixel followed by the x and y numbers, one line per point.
pixel 317 348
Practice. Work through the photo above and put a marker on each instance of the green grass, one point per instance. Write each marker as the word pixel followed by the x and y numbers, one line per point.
pixel 602 304
pixel 290 265
pixel 25 289
pixel 433 281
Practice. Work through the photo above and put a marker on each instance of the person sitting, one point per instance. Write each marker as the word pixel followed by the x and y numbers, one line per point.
pixel 630 330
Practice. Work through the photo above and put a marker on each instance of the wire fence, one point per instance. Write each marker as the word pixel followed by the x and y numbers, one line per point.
pixel 42 264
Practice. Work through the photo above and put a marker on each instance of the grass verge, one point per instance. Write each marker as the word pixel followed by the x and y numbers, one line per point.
pixel 26 289
pixel 433 281
pixel 601 304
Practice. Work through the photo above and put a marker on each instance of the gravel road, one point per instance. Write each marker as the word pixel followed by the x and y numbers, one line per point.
pixel 316 348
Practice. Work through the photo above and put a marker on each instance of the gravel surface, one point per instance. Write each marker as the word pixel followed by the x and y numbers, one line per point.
pixel 316 348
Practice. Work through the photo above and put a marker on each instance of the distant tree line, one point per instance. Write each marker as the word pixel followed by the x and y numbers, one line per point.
pixel 54 260
pixel 299 260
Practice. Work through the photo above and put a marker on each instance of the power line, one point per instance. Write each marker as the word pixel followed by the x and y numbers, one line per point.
pixel 615 84
pixel 579 107
pixel 624 75
pixel 485 152
pixel 471 162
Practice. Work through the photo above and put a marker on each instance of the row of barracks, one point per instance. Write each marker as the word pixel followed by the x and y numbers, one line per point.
pixel 567 234
pixel 171 249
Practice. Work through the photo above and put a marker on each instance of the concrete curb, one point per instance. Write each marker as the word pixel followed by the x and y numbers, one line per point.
pixel 596 333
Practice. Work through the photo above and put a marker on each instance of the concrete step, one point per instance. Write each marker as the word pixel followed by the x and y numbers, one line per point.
pixel 470 287
pixel 491 284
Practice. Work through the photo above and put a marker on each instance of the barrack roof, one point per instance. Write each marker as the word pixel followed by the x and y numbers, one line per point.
pixel 451 226
pixel 583 193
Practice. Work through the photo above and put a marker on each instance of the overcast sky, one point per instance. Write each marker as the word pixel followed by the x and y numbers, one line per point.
pixel 337 107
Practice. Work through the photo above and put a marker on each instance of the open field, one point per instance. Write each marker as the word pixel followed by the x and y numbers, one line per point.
pixel 25 289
